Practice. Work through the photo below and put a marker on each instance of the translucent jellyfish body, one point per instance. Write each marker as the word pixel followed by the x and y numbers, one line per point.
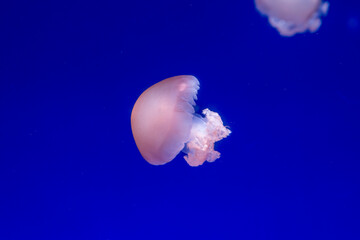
pixel 293 16
pixel 164 123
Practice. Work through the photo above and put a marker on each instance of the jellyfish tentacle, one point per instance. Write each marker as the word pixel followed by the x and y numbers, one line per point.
pixel 204 133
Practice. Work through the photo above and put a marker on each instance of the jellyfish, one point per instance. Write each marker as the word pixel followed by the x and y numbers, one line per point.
pixel 164 123
pixel 293 16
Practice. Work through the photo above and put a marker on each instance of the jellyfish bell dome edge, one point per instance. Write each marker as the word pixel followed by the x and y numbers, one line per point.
pixel 164 123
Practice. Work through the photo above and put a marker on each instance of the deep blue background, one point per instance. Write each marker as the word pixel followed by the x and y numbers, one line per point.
pixel 70 73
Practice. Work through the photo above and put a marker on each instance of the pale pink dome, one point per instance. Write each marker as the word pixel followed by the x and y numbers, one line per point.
pixel 290 17
pixel 163 122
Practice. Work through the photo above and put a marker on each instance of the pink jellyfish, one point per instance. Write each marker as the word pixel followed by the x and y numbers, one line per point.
pixel 163 123
pixel 293 16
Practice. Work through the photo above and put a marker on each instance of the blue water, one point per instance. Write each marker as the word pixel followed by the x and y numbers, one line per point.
pixel 70 73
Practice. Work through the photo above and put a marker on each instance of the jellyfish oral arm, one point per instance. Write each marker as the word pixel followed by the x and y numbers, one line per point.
pixel 204 133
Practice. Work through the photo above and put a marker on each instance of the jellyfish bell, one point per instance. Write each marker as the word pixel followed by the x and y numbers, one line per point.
pixel 293 16
pixel 164 123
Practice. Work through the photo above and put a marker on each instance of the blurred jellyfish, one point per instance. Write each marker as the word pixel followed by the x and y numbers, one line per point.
pixel 293 16
pixel 163 123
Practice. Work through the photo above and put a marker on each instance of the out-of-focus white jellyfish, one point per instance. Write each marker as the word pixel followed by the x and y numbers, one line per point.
pixel 293 16
pixel 163 122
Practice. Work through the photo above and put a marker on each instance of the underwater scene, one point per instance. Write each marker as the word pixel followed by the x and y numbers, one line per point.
pixel 182 119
